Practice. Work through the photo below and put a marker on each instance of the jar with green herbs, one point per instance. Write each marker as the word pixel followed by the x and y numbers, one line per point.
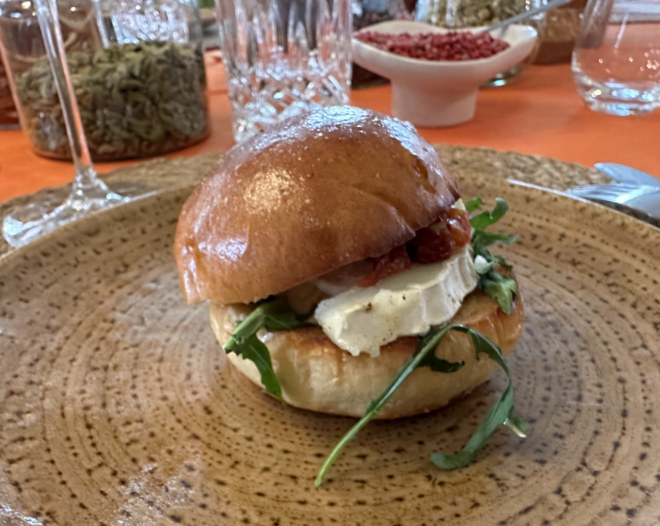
pixel 137 71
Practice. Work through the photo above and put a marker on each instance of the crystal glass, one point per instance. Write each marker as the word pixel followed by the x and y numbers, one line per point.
pixel 616 59
pixel 89 192
pixel 283 56
pixel 111 78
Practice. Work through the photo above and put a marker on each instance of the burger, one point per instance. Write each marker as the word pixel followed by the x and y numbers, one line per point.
pixel 331 248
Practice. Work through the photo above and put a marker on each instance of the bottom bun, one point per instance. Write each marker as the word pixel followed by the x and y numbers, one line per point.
pixel 315 374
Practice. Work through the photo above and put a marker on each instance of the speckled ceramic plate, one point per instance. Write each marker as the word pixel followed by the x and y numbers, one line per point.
pixel 117 406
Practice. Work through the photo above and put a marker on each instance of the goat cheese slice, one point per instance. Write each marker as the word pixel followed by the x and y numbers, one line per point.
pixel 362 319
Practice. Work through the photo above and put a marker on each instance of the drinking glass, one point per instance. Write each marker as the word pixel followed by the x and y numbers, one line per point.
pixel 616 60
pixel 283 57
pixel 89 192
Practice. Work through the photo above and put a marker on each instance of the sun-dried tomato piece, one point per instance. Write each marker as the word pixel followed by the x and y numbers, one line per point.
pixel 395 261
pixel 430 246
pixel 458 224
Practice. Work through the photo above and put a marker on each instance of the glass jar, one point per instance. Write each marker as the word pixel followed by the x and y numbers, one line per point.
pixel 561 28
pixel 459 14
pixel 136 67
pixel 8 113
pixel 367 13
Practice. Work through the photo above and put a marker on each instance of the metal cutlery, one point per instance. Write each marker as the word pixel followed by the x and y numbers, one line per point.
pixel 640 199
pixel 625 174
pixel 633 192
pixel 643 198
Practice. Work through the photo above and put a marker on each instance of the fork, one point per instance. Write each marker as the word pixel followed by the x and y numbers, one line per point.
pixel 643 198
pixel 626 174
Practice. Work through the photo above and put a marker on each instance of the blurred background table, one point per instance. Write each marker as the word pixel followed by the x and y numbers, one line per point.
pixel 540 113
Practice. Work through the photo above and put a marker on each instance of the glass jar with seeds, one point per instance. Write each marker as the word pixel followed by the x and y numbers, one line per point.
pixel 459 14
pixel 456 14
pixel 137 71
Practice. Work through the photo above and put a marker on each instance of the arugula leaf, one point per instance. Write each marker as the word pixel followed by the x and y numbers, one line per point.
pixel 253 349
pixel 482 239
pixel 425 346
pixel 274 315
pixel 499 287
pixel 424 356
pixel 474 204
pixel 428 359
pixel 486 218
pixel 502 412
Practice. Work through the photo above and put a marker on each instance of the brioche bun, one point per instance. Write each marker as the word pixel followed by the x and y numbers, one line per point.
pixel 313 194
pixel 315 374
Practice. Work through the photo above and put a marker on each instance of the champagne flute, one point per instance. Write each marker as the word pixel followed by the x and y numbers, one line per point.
pixel 89 193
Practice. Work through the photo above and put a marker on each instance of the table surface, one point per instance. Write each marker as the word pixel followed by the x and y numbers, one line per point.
pixel 540 113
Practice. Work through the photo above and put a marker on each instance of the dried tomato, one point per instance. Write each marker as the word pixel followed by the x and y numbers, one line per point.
pixel 458 224
pixel 395 261
pixel 430 246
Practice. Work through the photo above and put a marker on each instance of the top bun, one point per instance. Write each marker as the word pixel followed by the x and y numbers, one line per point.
pixel 314 193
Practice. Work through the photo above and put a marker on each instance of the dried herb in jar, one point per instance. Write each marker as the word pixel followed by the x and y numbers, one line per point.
pixel 135 100
pixel 468 13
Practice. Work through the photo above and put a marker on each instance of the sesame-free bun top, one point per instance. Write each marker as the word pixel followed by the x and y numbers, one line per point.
pixel 312 194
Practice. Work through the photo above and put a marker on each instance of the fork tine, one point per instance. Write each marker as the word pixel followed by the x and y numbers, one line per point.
pixel 617 193
pixel 644 199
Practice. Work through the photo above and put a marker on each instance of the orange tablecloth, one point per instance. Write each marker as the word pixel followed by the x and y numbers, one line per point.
pixel 540 113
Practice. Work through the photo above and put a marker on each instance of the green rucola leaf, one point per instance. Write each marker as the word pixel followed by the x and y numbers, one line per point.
pixel 425 346
pixel 272 315
pixel 253 349
pixel 486 218
pixel 502 413
pixel 474 204
pixel 481 239
pixel 500 287
pixel 424 356
pixel 428 343
pixel 516 424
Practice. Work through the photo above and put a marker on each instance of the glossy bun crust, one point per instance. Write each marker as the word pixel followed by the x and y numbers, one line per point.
pixel 317 192
pixel 315 374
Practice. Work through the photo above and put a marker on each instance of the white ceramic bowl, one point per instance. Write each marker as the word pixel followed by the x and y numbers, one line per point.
pixel 439 93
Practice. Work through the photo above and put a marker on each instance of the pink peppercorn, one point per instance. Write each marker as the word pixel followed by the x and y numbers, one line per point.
pixel 454 45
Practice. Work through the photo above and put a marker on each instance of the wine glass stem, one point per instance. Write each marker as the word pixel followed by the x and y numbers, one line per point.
pixel 86 180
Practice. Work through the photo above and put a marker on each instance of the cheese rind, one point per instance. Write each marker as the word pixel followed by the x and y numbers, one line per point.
pixel 362 319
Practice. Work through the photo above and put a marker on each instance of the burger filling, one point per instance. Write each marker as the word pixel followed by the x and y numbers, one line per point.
pixel 415 286
pixel 405 304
